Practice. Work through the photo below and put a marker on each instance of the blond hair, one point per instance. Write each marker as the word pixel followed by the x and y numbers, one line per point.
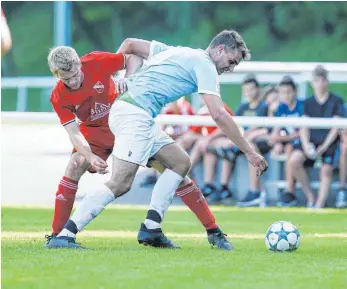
pixel 62 58
pixel 232 40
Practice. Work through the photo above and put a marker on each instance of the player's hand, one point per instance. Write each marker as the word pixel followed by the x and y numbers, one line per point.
pixel 309 150
pixel 98 164
pixel 121 86
pixel 257 161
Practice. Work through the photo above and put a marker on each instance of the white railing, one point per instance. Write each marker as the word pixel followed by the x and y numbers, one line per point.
pixel 266 72
pixel 51 117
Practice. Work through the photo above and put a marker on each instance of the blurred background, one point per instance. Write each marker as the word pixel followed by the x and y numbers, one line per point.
pixel 274 31
pixel 284 38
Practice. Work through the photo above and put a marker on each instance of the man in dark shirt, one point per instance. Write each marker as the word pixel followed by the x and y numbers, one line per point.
pixel 315 143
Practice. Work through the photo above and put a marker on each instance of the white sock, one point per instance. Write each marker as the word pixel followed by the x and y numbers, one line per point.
pixel 162 195
pixel 91 206
pixel 66 233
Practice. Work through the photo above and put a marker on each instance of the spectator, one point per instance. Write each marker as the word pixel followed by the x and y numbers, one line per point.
pixel 282 138
pixel 6 39
pixel 271 98
pixel 253 107
pixel 315 143
pixel 179 107
pixel 341 198
pixel 199 138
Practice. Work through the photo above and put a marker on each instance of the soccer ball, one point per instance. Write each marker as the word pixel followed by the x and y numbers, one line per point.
pixel 282 236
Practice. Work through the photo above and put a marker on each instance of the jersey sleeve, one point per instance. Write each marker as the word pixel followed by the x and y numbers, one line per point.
pixel 206 77
pixel 156 47
pixel 64 113
pixel 107 61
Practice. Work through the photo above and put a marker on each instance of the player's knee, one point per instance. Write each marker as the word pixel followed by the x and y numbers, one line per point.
pixel 186 165
pixel 296 159
pixel 118 188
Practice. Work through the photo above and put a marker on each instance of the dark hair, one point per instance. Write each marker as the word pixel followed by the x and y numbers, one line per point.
pixel 320 71
pixel 268 90
pixel 232 40
pixel 288 80
pixel 250 78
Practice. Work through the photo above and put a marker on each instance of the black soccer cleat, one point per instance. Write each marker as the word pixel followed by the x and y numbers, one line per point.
pixel 219 240
pixel 154 238
pixel 49 237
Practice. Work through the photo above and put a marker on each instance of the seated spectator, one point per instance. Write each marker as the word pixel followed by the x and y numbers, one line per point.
pixel 316 143
pixel 271 98
pixel 282 138
pixel 225 149
pixel 341 198
pixel 199 138
pixel 179 107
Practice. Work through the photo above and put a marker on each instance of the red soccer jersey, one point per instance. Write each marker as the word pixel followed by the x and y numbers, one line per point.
pixel 183 107
pixel 92 102
pixel 206 130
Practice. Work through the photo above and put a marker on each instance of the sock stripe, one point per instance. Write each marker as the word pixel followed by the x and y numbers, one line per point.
pixel 185 191
pixel 68 185
pixel 181 194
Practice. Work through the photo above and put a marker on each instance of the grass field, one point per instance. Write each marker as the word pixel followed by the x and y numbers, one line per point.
pixel 117 261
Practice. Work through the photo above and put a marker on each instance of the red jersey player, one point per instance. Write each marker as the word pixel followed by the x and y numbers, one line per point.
pixel 82 99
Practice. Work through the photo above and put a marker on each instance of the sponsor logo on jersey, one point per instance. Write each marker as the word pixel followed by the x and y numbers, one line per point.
pixel 99 87
pixel 99 111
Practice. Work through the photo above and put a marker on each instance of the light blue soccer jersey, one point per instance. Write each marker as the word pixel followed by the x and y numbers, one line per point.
pixel 170 73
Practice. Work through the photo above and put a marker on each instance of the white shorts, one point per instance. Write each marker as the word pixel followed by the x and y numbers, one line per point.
pixel 138 136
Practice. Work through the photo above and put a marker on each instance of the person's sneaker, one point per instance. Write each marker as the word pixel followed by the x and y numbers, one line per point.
pixel 310 205
pixel 213 198
pixel 341 198
pixel 154 238
pixel 219 240
pixel 253 198
pixel 49 237
pixel 63 242
pixel 149 180
pixel 208 189
pixel 287 200
pixel 226 196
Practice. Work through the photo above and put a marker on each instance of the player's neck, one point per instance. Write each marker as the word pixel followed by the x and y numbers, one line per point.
pixel 322 97
pixel 254 103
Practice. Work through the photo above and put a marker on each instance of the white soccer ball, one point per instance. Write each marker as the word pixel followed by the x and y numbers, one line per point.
pixel 282 236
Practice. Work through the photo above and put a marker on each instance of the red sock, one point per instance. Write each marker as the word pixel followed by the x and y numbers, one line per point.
pixel 192 197
pixel 64 200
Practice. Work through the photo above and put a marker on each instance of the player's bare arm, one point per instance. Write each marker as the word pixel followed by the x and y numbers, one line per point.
pixel 135 46
pixel 82 146
pixel 132 64
pixel 6 39
pixel 231 130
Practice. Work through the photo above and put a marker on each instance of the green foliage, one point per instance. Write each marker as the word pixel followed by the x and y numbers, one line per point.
pixel 274 31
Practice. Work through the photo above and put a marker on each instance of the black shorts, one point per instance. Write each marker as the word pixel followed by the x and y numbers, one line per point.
pixel 263 146
pixel 329 156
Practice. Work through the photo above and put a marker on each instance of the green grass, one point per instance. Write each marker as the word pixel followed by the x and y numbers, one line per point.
pixel 122 263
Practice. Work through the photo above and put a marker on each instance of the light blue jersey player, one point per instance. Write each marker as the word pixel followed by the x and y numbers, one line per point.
pixel 169 73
